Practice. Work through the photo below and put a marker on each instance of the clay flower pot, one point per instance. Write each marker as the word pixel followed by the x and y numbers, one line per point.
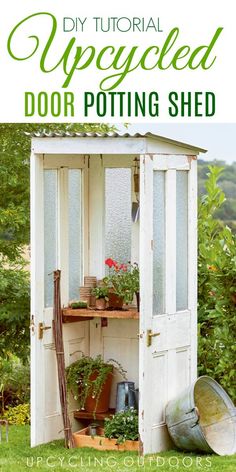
pixel 101 303
pixel 115 301
pixel 104 399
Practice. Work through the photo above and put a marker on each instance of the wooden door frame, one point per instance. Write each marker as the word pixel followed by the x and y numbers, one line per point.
pixel 39 163
pixel 170 163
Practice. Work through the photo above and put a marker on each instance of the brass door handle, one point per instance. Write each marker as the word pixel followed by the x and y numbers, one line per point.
pixel 151 335
pixel 42 328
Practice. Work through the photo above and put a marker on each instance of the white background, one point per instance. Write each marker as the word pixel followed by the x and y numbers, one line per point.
pixel 197 20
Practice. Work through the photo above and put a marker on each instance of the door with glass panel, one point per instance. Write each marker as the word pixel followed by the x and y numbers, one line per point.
pixel 56 243
pixel 168 289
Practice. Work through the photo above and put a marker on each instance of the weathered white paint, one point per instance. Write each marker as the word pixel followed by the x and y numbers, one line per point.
pixel 169 364
pixel 46 422
pixel 37 300
pixel 111 145
pixel 192 263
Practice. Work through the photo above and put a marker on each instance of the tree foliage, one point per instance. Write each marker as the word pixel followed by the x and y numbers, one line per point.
pixel 227 182
pixel 216 289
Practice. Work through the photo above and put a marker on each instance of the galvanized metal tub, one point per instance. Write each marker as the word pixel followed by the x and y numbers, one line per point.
pixel 203 418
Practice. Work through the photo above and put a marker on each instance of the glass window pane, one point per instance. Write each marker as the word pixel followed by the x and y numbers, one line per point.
pixel 75 232
pixel 181 240
pixel 158 242
pixel 118 214
pixel 50 233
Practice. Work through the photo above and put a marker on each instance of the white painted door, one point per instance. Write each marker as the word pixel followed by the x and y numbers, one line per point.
pixel 58 187
pixel 168 234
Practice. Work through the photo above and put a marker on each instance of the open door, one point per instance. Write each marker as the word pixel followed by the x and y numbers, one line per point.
pixel 168 262
pixel 57 233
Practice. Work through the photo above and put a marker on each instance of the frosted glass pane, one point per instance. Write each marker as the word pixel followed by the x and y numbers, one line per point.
pixel 181 240
pixel 75 233
pixel 118 214
pixel 50 233
pixel 158 242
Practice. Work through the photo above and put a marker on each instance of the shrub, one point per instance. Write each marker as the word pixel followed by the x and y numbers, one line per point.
pixel 216 289
pixel 14 382
pixel 18 415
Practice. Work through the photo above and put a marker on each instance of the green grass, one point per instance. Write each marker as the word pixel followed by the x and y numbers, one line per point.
pixel 17 456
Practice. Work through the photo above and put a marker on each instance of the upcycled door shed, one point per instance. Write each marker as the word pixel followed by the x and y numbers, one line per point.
pixel 81 204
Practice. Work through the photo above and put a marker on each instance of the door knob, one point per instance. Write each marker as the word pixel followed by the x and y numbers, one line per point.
pixel 151 335
pixel 42 328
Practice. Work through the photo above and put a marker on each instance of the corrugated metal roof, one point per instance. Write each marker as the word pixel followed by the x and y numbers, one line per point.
pixel 111 134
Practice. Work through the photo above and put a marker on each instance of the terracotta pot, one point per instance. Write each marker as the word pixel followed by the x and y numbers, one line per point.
pixel 101 303
pixel 115 301
pixel 104 399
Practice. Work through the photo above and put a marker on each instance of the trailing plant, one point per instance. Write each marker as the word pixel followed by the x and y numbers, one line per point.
pixel 123 279
pixel 122 426
pixel 79 374
pixel 100 292
pixel 216 289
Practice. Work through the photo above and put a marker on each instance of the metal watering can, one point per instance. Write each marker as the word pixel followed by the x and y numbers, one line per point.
pixel 126 396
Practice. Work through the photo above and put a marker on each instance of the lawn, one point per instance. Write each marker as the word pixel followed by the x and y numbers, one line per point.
pixel 17 456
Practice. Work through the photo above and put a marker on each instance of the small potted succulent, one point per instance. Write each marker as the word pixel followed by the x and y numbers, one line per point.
pixel 101 295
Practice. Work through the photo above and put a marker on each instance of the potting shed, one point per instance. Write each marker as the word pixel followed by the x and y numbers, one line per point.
pixel 84 209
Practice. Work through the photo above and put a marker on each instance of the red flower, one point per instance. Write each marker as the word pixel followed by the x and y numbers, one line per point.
pixel 110 263
pixel 123 267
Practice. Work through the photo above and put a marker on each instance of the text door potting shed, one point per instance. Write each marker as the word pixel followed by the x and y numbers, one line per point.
pixel 82 199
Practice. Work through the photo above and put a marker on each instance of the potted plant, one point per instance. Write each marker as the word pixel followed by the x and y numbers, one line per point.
pixel 119 434
pixel 101 295
pixel 89 379
pixel 122 282
pixel 122 426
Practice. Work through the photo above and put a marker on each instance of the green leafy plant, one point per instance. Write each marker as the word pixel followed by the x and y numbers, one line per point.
pixel 123 279
pixel 18 415
pixel 100 292
pixel 78 304
pixel 216 289
pixel 122 426
pixel 14 382
pixel 79 374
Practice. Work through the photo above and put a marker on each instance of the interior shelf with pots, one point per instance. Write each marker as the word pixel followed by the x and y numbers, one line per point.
pixel 70 315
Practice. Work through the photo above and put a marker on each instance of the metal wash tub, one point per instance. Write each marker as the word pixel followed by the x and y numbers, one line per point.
pixel 203 418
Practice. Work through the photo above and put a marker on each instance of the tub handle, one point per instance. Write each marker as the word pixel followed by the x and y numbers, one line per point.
pixel 197 415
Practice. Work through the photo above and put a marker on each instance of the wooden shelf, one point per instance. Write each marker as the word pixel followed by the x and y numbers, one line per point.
pixel 85 415
pixel 70 315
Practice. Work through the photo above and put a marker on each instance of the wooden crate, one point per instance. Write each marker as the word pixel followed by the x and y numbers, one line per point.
pixel 83 439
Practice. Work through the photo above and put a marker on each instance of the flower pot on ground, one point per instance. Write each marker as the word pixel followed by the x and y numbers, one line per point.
pixel 101 294
pixel 89 379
